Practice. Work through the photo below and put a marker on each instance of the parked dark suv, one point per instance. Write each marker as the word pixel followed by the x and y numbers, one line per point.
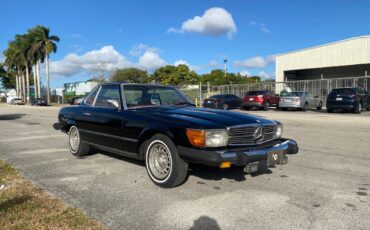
pixel 355 99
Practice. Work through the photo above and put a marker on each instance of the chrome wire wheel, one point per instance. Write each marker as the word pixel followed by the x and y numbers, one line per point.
pixel 159 161
pixel 74 139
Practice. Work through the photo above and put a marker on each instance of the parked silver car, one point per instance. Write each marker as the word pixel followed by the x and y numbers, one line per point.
pixel 300 100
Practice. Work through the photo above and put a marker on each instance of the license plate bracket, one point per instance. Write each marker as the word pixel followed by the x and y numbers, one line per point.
pixel 275 157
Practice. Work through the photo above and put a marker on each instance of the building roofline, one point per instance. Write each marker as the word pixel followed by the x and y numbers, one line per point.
pixel 327 44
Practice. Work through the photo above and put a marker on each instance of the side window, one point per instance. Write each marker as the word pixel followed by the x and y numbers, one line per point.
pixel 108 97
pixel 91 97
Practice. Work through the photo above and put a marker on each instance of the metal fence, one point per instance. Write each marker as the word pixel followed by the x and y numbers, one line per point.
pixel 320 87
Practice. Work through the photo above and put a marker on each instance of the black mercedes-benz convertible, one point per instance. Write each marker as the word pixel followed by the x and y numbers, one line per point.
pixel 160 125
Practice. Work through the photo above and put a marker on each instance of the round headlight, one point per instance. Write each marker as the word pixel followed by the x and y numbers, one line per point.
pixel 216 138
pixel 279 131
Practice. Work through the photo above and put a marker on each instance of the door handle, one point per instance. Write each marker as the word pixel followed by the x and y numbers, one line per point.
pixel 87 114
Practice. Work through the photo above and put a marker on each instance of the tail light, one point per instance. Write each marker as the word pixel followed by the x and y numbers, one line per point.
pixel 260 96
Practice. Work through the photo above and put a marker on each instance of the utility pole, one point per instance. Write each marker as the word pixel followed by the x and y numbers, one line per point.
pixel 225 66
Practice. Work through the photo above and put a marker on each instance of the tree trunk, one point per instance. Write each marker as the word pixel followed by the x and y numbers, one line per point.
pixel 27 84
pixel 38 78
pixel 24 88
pixel 34 80
pixel 47 77
pixel 16 86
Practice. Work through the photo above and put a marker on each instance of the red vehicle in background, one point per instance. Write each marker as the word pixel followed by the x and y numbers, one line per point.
pixel 261 99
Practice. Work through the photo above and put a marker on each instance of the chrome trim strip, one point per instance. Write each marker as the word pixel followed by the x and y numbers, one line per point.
pixel 109 135
pixel 97 95
pixel 114 150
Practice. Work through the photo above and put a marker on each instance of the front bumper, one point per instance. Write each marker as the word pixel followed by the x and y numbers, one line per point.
pixel 255 104
pixel 242 156
pixel 290 105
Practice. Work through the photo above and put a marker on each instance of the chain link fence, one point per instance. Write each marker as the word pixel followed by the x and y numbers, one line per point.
pixel 320 87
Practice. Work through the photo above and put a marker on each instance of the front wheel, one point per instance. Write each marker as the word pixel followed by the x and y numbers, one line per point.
pixel 163 164
pixel 225 106
pixel 77 147
pixel 305 107
pixel 320 106
pixel 358 108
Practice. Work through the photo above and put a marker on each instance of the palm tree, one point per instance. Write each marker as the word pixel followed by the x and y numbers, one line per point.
pixel 13 63
pixel 23 46
pixel 36 57
pixel 45 43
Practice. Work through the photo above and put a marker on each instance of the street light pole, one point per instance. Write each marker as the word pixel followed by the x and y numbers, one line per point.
pixel 225 66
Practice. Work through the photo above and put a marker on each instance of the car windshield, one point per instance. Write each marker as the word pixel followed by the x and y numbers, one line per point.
pixel 293 94
pixel 342 92
pixel 153 95
pixel 255 93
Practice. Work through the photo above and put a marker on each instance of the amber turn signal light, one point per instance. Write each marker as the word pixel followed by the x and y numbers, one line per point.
pixel 196 137
pixel 226 164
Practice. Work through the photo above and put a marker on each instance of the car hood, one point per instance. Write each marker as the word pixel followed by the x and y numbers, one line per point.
pixel 200 117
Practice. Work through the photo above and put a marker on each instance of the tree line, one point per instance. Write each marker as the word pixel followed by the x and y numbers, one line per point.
pixel 175 75
pixel 23 59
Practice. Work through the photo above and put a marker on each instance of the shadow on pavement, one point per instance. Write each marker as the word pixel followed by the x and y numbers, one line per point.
pixel 233 173
pixel 8 117
pixel 205 222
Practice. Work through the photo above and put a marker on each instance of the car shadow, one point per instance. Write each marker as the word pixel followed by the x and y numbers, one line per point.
pixel 213 173
pixel 339 111
pixel 9 117
pixel 116 156
pixel 201 171
pixel 205 222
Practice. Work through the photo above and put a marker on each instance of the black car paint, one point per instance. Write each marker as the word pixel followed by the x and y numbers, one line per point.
pixel 218 101
pixel 348 102
pixel 123 130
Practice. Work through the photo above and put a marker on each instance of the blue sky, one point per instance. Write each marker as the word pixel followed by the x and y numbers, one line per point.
pixel 102 35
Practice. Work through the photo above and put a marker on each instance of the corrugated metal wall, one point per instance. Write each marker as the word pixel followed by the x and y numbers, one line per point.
pixel 347 52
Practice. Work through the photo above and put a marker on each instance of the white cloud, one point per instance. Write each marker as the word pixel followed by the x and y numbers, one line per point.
pixel 264 75
pixel 183 62
pixel 76 35
pixel 212 64
pixel 140 49
pixel 104 59
pixel 245 73
pixel 262 27
pixel 151 61
pixel 215 21
pixel 255 62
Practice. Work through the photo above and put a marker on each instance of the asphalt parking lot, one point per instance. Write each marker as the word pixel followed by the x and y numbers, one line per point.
pixel 325 186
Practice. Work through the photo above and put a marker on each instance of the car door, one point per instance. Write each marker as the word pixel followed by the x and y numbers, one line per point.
pixel 310 99
pixel 106 119
pixel 236 101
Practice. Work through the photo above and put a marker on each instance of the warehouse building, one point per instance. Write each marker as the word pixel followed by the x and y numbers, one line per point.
pixel 341 59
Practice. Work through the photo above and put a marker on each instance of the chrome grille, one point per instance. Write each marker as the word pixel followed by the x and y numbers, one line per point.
pixel 246 135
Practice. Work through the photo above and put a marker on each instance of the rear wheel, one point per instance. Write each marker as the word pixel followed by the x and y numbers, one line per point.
pixel 358 108
pixel 320 106
pixel 163 164
pixel 77 147
pixel 305 107
pixel 225 106
pixel 266 106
